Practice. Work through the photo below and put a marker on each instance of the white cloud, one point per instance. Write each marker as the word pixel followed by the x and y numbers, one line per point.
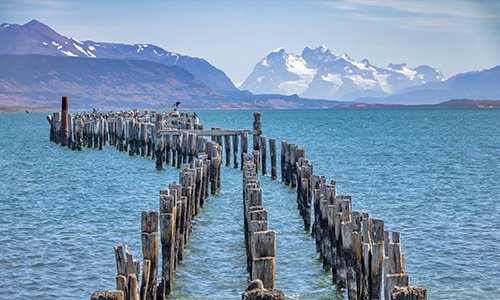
pixel 445 15
pixel 466 9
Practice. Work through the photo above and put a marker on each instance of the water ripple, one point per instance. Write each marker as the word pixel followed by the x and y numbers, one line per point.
pixel 431 174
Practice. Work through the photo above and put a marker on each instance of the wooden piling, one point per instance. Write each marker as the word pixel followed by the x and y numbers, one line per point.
pixel 263 153
pixel 64 121
pixel 376 270
pixel 260 242
pixel 101 133
pixel 180 146
pixel 227 148
pixel 244 147
pixel 257 127
pixel 56 119
pixel 235 151
pixel 263 249
pixel 284 146
pixel 146 271
pixel 120 133
pixel 272 151
pixel 149 229
pixel 356 248
pixel 133 287
pixel 167 232
pixel 158 143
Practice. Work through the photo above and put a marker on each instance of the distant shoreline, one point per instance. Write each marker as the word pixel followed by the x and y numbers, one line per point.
pixel 452 104
pixel 25 109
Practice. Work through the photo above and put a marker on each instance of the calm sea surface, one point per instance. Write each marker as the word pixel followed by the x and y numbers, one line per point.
pixel 434 175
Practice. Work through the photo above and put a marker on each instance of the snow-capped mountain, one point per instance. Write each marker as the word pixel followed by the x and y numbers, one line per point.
pixel 319 73
pixel 37 38
pixel 481 85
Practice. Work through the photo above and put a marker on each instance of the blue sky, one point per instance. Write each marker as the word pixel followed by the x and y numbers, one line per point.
pixel 454 36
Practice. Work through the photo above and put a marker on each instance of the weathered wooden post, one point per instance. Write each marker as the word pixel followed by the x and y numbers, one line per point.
pixel 101 133
pixel 180 146
pixel 133 136
pixel 149 237
pixel 284 146
pixel 377 257
pixel 185 143
pixel 244 147
pixel 133 287
pixel 143 139
pixel 79 126
pixel 272 151
pixel 64 121
pixel 394 262
pixel 146 270
pixel 71 140
pixel 257 127
pixel 56 120
pixel 158 143
pixel 120 126
pixel 175 142
pixel 292 169
pixel 227 148
pixel 167 232
pixel 263 248
pixel 235 151
pixel 168 148
pixel 263 151
pixel 150 134
pixel 127 270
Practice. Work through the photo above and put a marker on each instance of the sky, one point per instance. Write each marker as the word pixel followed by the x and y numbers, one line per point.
pixel 454 36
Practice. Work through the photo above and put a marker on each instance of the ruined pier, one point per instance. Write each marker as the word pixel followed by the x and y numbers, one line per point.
pixel 365 260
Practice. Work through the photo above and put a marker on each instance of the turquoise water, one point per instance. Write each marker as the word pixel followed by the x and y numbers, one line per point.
pixel 431 174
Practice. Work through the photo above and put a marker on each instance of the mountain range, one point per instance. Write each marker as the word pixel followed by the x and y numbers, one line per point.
pixel 34 80
pixel 35 37
pixel 483 85
pixel 319 73
pixel 38 65
pixel 103 83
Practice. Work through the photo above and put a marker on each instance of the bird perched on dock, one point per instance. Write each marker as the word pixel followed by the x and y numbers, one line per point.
pixel 176 105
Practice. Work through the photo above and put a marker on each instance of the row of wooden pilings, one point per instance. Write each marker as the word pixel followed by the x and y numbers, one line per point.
pixel 365 260
pixel 169 138
pixel 360 253
pixel 129 131
pixel 260 242
pixel 179 204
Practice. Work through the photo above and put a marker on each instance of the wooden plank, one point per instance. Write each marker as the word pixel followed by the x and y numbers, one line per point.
pixel 218 132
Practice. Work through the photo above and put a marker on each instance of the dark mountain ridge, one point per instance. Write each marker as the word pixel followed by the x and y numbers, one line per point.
pixel 40 81
pixel 35 37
